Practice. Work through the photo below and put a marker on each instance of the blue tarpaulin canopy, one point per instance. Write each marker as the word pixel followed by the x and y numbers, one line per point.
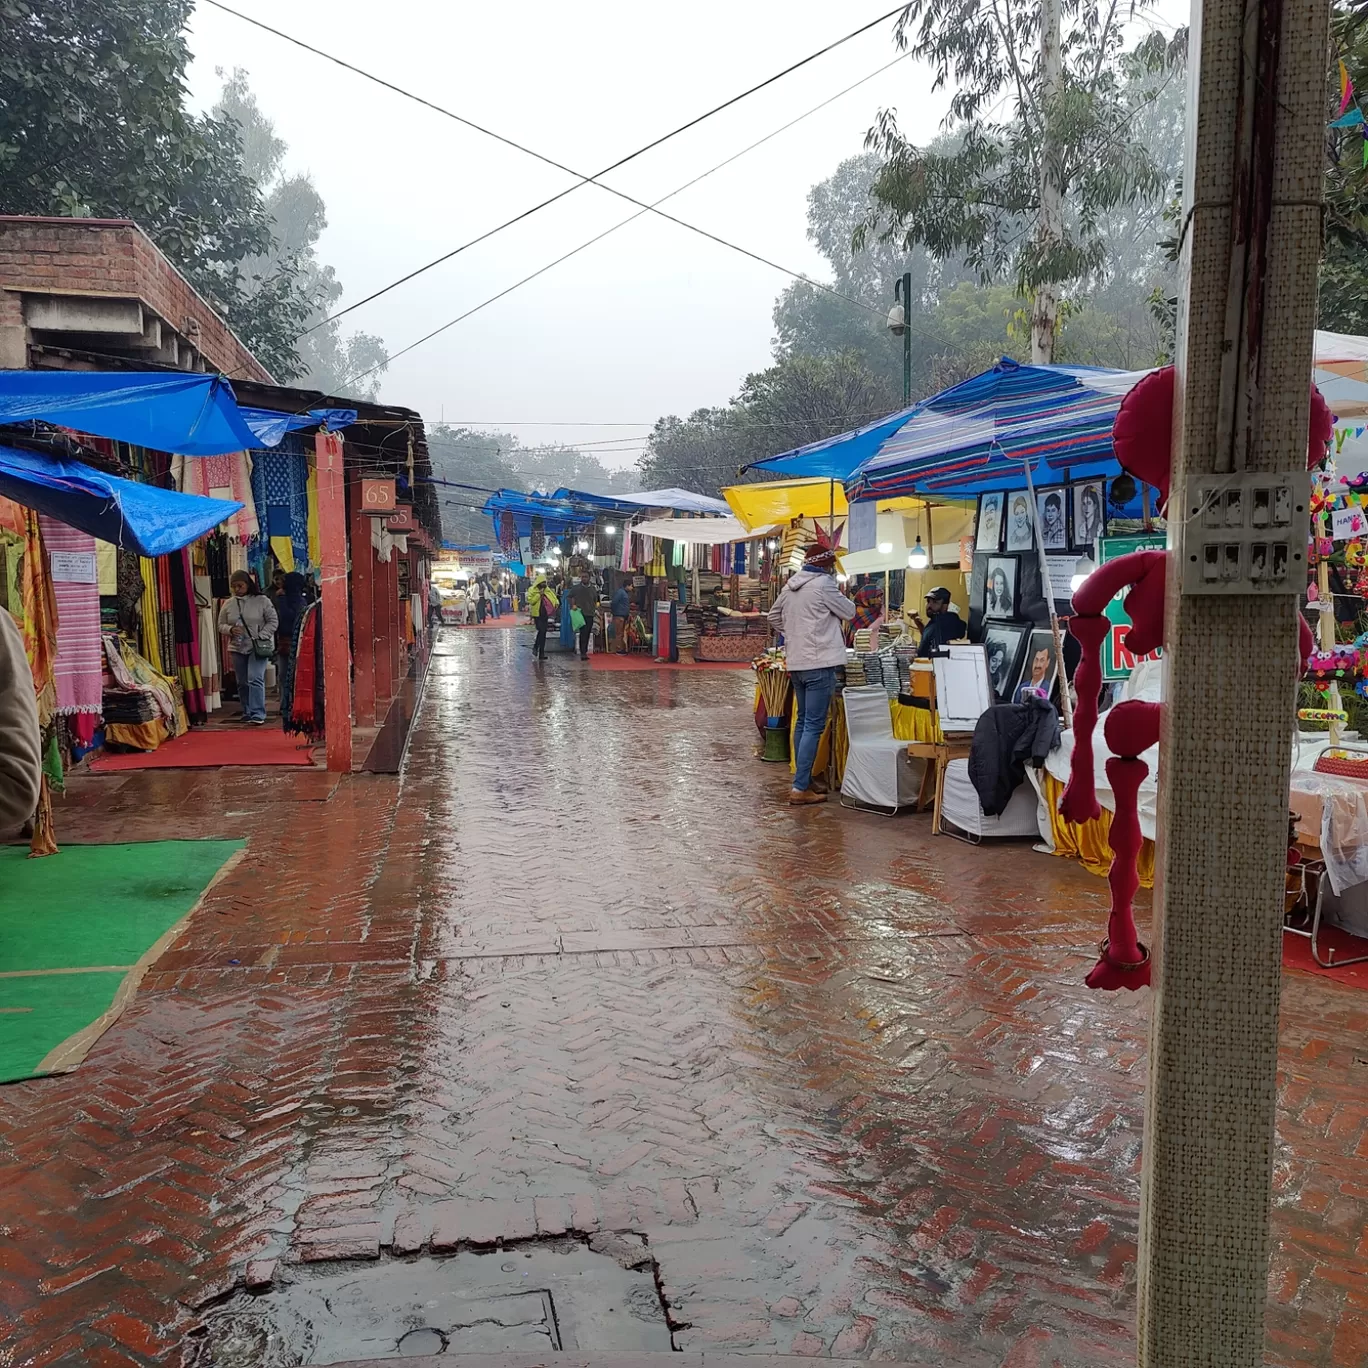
pixel 136 516
pixel 597 503
pixel 835 458
pixel 186 415
pixel 978 435
pixel 270 427
pixel 557 515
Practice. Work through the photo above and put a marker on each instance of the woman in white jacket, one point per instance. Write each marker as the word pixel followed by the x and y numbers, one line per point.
pixel 809 612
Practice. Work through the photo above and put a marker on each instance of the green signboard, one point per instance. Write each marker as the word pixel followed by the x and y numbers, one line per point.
pixel 1117 662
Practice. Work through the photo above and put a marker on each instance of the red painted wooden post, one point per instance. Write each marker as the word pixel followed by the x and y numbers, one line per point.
pixel 363 615
pixel 332 536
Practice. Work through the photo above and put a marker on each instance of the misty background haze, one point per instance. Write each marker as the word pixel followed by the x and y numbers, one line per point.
pixel 652 323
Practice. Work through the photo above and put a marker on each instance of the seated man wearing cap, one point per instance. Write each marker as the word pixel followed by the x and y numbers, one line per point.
pixel 944 625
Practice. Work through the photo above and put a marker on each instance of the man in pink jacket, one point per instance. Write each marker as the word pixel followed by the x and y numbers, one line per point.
pixel 809 612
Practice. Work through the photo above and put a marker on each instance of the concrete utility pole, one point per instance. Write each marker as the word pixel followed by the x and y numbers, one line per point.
pixel 1252 185
pixel 1050 221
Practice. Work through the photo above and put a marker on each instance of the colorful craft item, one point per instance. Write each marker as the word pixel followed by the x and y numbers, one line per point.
pixel 1339 665
pixel 1322 715
pixel 1142 440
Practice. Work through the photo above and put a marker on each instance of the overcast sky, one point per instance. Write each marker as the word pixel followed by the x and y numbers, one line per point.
pixel 652 320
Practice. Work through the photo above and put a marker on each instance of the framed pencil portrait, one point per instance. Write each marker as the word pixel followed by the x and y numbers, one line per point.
pixel 1020 527
pixel 1087 514
pixel 1000 588
pixel 1054 524
pixel 988 528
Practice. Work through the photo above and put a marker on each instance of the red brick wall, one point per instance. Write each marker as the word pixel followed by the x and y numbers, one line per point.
pixel 112 256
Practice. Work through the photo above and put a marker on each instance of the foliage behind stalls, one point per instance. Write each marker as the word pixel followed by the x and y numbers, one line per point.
pixel 976 197
pixel 93 122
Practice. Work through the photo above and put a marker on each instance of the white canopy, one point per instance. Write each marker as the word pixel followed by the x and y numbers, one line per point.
pixel 681 500
pixel 707 530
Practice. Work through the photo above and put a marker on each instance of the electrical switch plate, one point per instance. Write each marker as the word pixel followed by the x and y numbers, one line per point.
pixel 1245 533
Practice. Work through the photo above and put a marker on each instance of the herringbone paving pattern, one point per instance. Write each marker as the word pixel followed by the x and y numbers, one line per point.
pixel 581 972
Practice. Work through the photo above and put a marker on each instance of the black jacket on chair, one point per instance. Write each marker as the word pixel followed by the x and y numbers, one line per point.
pixel 1005 738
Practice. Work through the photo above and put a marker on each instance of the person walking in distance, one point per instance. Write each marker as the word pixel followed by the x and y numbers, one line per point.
pixel 809 612
pixel 622 609
pixel 250 620
pixel 481 603
pixel 584 600
pixel 542 603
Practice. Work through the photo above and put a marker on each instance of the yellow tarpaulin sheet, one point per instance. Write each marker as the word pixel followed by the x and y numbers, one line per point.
pixel 780 501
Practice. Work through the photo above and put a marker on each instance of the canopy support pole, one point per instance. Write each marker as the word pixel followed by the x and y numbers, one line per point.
pixel 1065 703
pixel 332 537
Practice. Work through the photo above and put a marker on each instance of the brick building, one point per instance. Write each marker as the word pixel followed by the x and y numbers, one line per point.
pixel 78 293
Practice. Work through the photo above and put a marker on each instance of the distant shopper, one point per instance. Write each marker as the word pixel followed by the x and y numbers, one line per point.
pixel 290 606
pixel 481 603
pixel 250 620
pixel 809 612
pixel 622 609
pixel 942 624
pixel 21 771
pixel 584 597
pixel 542 605
pixel 434 605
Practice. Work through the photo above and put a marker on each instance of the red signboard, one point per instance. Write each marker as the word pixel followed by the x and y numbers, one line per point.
pixel 377 496
pixel 401 520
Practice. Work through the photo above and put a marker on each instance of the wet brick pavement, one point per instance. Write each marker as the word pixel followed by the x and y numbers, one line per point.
pixel 580 971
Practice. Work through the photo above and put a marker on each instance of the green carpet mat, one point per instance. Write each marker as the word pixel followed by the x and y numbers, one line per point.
pixel 94 908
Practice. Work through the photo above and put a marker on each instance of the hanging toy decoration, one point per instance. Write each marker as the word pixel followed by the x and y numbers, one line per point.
pixel 1142 439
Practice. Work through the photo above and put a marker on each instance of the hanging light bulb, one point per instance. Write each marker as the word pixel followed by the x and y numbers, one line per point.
pixel 885 548
pixel 611 530
pixel 917 559
pixel 1082 570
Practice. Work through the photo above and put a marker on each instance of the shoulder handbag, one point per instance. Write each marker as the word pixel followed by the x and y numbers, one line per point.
pixel 262 648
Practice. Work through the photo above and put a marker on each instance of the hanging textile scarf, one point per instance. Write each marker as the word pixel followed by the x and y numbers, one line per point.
pixel 80 658
pixel 166 617
pixel 537 540
pixel 32 604
pixel 280 487
pixel 185 636
pixel 305 717
pixel 151 615
pixel 508 532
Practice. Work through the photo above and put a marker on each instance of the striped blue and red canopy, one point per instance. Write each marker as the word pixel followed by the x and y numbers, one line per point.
pixel 980 435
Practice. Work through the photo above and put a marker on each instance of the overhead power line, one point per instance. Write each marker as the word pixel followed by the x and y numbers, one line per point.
pixel 580 177
pixel 632 218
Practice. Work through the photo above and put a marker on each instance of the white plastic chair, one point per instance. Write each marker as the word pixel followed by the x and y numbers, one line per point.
pixel 876 773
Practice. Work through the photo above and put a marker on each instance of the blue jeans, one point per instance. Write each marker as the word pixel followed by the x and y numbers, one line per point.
pixel 812 691
pixel 251 681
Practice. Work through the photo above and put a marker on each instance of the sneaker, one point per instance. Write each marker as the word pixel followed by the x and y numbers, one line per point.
pixel 256 721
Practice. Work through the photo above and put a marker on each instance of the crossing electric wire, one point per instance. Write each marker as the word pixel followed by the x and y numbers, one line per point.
pixel 581 178
pixel 631 218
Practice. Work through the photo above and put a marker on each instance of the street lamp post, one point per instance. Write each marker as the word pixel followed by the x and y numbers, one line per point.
pixel 898 320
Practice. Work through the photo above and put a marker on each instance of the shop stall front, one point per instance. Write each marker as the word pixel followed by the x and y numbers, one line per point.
pixel 1016 466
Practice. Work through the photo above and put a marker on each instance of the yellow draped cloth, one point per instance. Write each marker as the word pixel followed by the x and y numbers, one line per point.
pixel 1087 842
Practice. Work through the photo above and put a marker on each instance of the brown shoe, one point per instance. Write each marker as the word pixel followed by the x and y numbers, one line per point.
pixel 801 797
